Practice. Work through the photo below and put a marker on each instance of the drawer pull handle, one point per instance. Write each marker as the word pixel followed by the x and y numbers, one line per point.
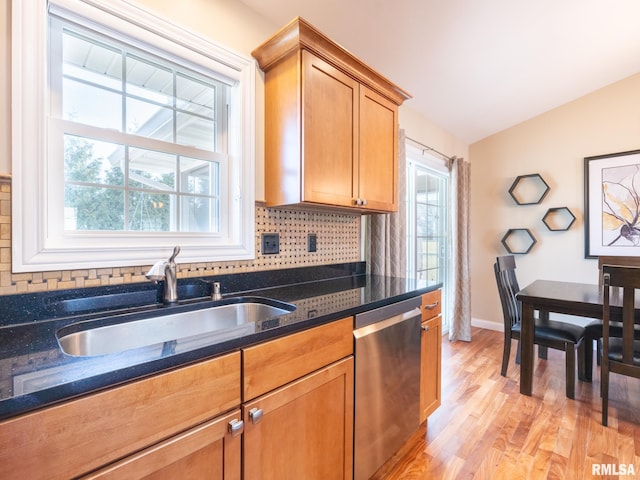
pixel 235 427
pixel 255 414
pixel 431 306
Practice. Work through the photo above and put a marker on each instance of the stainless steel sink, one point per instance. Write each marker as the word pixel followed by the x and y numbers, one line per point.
pixel 218 323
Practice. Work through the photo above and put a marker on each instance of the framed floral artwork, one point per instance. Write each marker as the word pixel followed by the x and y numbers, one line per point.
pixel 612 204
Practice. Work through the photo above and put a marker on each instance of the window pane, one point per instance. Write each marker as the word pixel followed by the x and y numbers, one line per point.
pixel 433 221
pixel 195 131
pixel 421 219
pixel 198 214
pixel 199 176
pixel 93 208
pixel 195 96
pixel 92 80
pixel 91 62
pixel 149 120
pixel 91 105
pixel 433 189
pixel 151 170
pixel 93 161
pixel 149 81
pixel 151 212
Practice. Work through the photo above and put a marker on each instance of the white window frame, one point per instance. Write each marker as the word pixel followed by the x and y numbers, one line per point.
pixel 40 244
pixel 418 157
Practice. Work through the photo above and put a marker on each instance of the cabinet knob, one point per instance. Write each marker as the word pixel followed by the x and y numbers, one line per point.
pixel 364 201
pixel 255 414
pixel 425 327
pixel 235 427
pixel 357 201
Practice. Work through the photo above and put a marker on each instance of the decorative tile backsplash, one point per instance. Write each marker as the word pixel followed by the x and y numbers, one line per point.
pixel 338 241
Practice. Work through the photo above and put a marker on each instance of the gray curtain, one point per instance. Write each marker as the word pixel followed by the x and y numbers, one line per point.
pixel 387 253
pixel 460 328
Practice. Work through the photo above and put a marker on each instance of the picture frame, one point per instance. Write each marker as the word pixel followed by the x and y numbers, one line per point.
pixel 612 204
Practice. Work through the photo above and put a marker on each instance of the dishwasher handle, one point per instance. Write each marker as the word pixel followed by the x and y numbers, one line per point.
pixel 386 323
pixel 388 311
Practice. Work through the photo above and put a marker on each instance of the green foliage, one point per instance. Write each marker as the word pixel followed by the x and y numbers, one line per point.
pixel 97 196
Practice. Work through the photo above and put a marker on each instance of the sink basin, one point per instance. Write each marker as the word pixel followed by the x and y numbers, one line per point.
pixel 219 323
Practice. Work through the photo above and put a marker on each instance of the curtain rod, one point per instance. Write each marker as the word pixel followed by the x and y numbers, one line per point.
pixel 427 147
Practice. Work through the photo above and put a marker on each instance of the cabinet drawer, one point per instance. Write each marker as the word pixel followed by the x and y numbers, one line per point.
pixel 431 304
pixel 81 435
pixel 206 451
pixel 277 362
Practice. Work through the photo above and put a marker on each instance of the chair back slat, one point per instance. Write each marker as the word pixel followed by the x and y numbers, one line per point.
pixel 626 279
pixel 628 318
pixel 507 282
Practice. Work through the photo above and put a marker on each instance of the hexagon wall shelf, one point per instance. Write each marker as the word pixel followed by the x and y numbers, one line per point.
pixel 518 240
pixel 558 219
pixel 528 189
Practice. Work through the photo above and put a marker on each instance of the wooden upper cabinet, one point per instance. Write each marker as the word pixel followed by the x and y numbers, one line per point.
pixel 330 130
pixel 331 124
pixel 378 159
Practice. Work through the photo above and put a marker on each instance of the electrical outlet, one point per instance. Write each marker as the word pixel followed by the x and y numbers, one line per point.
pixel 270 243
pixel 312 242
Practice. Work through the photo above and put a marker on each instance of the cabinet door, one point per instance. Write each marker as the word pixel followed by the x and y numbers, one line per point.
pixel 431 353
pixel 430 376
pixel 302 430
pixel 330 126
pixel 377 167
pixel 208 451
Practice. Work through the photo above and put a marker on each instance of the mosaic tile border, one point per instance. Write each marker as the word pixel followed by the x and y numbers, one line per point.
pixel 338 242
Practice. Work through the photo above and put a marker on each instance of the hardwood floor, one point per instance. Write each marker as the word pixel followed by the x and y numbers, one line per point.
pixel 485 429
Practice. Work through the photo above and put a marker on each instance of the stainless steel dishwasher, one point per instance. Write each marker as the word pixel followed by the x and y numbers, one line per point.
pixel 387 383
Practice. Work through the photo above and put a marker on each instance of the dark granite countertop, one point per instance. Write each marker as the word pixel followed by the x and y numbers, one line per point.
pixel 34 371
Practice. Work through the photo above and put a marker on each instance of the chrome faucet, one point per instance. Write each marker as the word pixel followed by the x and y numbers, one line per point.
pixel 166 270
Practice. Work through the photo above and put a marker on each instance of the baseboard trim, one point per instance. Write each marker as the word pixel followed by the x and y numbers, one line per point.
pixel 487 324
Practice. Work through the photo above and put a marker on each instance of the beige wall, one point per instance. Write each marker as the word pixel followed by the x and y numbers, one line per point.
pixel 419 128
pixel 554 145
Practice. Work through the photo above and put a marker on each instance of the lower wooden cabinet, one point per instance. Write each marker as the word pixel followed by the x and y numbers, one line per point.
pixel 303 429
pixel 210 451
pixel 298 405
pixel 79 436
pixel 431 354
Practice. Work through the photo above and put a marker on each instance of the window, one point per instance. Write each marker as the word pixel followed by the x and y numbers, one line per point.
pixel 428 224
pixel 144 140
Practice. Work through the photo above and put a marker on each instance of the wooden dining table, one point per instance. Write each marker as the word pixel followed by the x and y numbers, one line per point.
pixel 546 296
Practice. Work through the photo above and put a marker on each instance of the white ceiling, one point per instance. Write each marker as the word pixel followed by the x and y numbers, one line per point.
pixel 476 67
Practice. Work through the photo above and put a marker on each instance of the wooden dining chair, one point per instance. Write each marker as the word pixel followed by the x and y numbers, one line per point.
pixel 594 330
pixel 619 354
pixel 554 333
